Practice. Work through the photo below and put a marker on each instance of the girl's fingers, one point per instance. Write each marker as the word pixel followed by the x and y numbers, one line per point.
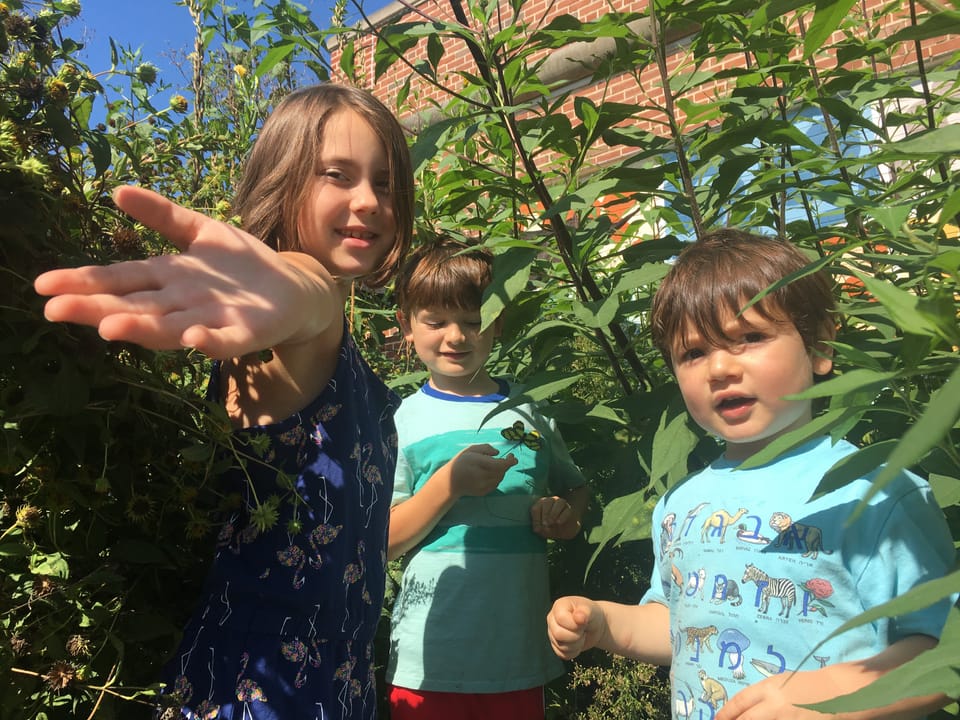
pixel 177 224
pixel 119 279
pixel 176 330
pixel 89 309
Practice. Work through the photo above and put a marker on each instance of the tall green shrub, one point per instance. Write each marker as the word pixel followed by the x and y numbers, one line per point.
pixel 815 134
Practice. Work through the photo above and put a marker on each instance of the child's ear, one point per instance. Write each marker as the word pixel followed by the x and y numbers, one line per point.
pixel 404 324
pixel 822 357
pixel 498 325
pixel 822 354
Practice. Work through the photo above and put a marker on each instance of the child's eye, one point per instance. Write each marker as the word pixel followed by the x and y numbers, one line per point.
pixel 754 337
pixel 333 174
pixel 690 354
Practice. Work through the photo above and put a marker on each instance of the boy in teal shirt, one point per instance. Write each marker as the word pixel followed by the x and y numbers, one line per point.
pixel 475 501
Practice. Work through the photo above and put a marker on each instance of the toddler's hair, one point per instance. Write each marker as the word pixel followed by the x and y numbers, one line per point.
pixel 716 276
pixel 446 273
pixel 276 177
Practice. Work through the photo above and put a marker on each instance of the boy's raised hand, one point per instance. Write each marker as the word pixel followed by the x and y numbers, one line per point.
pixel 477 470
pixel 226 293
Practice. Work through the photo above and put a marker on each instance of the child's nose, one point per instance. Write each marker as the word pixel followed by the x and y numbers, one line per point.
pixel 364 197
pixel 723 364
pixel 455 333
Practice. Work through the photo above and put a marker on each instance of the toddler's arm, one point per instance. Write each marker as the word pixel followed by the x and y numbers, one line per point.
pixel 775 698
pixel 226 293
pixel 475 471
pixel 642 632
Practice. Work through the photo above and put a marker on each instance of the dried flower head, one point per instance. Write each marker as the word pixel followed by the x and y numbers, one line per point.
pixel 178 103
pixel 18 645
pixel 60 675
pixel 44 586
pixel 139 508
pixel 127 241
pixel 58 92
pixel 78 646
pixel 30 89
pixel 17 26
pixel 196 528
pixel 28 516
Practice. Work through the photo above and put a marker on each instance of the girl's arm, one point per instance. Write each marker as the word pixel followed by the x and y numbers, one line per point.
pixel 225 294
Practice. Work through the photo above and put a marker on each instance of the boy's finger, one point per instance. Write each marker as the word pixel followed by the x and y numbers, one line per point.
pixel 177 224
pixel 483 449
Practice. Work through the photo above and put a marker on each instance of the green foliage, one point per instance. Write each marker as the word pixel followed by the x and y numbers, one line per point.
pixel 107 452
pixel 623 689
pixel 815 134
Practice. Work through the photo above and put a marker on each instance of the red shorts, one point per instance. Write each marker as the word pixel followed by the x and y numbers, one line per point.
pixel 427 705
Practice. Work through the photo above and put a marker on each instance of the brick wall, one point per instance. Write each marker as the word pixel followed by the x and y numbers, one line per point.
pixel 625 88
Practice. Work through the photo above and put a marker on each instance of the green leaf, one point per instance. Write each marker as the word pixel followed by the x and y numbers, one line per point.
pixel 917 598
pixel 938 418
pixel 597 314
pixel 951 208
pixel 936 671
pixel 435 50
pixel 511 272
pixel 892 217
pixel 901 305
pixel 943 140
pixel 672 443
pixel 54 564
pixel 945 488
pixel 826 19
pixel 537 389
pixel 428 142
pixel 852 381
pixel 14 550
pixel 938 24
pixel 624 518
pixel 820 425
pixel 274 56
pixel 853 466
pixel 100 152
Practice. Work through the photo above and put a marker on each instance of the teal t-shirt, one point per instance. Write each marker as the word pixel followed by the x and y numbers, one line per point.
pixel 756 574
pixel 470 613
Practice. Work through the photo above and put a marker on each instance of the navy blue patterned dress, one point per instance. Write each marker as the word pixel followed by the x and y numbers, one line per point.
pixel 286 623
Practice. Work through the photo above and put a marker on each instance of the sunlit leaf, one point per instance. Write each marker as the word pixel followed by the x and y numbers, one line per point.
pixel 939 416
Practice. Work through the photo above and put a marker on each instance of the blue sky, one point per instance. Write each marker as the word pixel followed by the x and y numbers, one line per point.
pixel 161 28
